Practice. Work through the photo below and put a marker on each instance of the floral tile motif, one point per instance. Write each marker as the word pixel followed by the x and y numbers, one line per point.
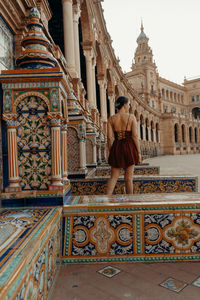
pixel 173 285
pixel 109 271
pixel 196 282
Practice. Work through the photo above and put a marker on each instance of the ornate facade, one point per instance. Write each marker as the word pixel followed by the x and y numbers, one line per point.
pixel 60 78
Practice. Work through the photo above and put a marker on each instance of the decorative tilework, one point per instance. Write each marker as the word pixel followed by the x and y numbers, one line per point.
pixel 132 228
pixel 6 46
pixel 73 152
pixel 34 144
pixel 138 170
pixel 36 252
pixel 173 285
pixel 155 184
pixel 109 271
pixel 196 282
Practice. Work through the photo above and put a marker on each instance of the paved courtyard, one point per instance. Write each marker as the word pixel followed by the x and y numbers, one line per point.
pixel 136 281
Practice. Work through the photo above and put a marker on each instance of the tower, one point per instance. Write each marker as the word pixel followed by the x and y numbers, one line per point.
pixel 144 77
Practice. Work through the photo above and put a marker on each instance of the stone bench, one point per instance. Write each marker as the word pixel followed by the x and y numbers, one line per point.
pixel 141 184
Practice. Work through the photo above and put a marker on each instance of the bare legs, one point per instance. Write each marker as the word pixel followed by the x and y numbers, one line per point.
pixel 129 179
pixel 112 181
pixel 114 176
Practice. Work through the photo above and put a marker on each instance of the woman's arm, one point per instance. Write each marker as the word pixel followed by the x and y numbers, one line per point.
pixel 110 135
pixel 135 137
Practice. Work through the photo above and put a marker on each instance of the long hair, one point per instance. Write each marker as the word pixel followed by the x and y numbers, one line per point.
pixel 119 103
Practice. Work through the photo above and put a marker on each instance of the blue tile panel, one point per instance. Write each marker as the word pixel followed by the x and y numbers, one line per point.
pixel 114 231
pixel 155 184
pixel 30 247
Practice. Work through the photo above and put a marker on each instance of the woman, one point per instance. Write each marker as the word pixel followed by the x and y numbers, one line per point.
pixel 123 145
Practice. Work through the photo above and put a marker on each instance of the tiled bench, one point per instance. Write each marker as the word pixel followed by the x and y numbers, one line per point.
pixel 138 170
pixel 132 228
pixel 141 184
pixel 29 250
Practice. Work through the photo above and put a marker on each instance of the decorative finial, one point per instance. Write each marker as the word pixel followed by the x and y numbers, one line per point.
pixel 142 27
pixel 36 54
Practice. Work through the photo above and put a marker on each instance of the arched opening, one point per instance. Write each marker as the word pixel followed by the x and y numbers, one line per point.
pixel 176 133
pixel 146 130
pixel 152 138
pixel 183 132
pixel 190 135
pixel 157 137
pixel 141 127
pixel 195 135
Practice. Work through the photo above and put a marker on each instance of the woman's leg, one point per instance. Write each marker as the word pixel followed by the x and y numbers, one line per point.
pixel 112 181
pixel 129 179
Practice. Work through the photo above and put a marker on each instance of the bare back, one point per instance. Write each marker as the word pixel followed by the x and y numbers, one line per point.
pixel 121 122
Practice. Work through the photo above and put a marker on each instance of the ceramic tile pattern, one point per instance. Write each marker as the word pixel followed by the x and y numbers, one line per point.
pixel 30 247
pixel 173 285
pixel 149 184
pixel 138 170
pixel 105 229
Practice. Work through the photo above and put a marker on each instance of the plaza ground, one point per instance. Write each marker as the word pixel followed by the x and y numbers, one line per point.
pixel 136 281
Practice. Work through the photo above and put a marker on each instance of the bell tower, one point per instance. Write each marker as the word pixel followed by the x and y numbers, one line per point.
pixel 143 53
pixel 144 76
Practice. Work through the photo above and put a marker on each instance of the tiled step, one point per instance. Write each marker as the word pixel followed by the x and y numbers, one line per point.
pixel 141 184
pixel 132 228
pixel 138 170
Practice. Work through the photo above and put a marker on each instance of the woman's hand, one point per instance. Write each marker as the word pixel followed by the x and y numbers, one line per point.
pixel 140 158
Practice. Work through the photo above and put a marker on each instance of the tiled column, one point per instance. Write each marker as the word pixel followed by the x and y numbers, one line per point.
pixel 56 180
pixel 102 86
pixel 68 33
pixel 76 16
pixel 90 73
pixel 64 151
pixel 13 170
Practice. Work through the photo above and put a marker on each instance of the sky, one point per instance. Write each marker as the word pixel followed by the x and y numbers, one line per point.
pixel 173 29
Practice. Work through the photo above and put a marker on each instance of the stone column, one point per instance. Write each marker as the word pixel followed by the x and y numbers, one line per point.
pixel 82 144
pixel 112 104
pixel 144 132
pixel 94 82
pixel 99 153
pixel 56 179
pixel 90 73
pixel 94 153
pixel 13 169
pixel 76 16
pixel 180 138
pixel 102 86
pixel 64 151
pixel 68 33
